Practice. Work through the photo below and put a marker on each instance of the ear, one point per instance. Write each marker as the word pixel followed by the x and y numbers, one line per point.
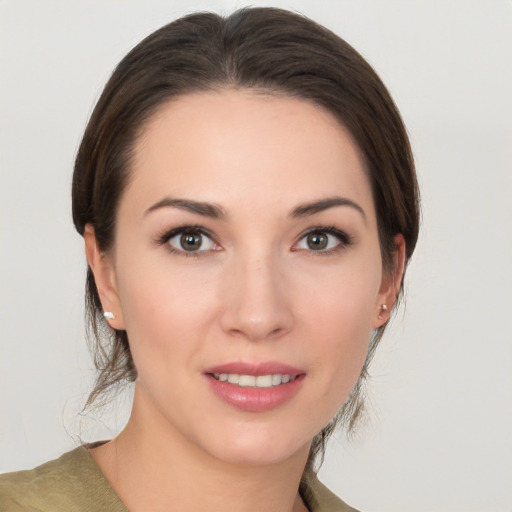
pixel 103 270
pixel 390 284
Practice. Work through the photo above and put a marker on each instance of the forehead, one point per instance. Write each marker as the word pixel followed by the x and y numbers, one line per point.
pixel 240 147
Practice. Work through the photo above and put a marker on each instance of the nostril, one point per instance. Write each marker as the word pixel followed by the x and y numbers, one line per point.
pixel 257 332
pixel 276 332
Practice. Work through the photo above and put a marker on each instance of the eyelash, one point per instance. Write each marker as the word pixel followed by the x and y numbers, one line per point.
pixel 344 239
pixel 164 238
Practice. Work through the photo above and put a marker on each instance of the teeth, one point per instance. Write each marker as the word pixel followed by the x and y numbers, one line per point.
pixel 276 379
pixel 247 381
pixel 233 378
pixel 261 381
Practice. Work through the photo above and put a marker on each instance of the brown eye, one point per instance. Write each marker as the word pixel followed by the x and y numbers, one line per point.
pixel 191 241
pixel 323 240
pixel 317 241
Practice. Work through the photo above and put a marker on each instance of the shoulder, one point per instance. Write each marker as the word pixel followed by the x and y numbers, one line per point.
pixel 319 498
pixel 71 483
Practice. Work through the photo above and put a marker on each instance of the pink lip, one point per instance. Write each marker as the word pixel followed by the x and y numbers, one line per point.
pixel 264 368
pixel 254 399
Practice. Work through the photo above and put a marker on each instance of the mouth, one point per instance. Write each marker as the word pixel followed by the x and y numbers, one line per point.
pixel 254 381
pixel 255 387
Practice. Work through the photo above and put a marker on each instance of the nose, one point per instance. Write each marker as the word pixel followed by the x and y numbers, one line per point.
pixel 256 302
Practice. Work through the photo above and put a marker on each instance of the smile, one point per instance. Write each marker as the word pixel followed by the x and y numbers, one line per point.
pixel 253 381
pixel 255 387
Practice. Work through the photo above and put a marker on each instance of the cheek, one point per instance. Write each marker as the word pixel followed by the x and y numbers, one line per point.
pixel 340 325
pixel 342 298
pixel 343 335
pixel 166 310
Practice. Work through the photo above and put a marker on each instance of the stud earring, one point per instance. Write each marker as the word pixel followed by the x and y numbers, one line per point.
pixel 108 315
pixel 383 309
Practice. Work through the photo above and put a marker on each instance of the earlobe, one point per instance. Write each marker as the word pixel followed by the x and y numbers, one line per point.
pixel 390 285
pixel 104 277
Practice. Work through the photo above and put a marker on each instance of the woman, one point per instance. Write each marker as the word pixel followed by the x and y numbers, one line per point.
pixel 247 196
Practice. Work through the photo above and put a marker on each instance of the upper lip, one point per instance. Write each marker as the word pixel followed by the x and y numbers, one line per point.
pixel 263 368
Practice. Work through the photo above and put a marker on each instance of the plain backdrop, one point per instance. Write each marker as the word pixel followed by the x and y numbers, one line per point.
pixel 439 430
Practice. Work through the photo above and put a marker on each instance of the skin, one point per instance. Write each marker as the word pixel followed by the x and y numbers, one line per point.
pixel 255 291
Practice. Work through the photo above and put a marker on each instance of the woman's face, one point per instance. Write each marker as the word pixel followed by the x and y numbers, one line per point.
pixel 246 254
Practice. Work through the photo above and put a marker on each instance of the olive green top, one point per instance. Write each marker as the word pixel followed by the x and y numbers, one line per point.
pixel 75 483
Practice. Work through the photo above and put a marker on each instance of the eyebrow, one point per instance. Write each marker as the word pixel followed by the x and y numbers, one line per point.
pixel 307 209
pixel 216 212
pixel 199 207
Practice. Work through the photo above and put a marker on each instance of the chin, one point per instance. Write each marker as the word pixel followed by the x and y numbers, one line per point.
pixel 256 447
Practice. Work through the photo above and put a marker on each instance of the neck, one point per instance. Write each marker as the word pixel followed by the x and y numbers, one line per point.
pixel 153 466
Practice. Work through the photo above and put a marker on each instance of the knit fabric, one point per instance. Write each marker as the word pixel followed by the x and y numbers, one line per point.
pixel 75 483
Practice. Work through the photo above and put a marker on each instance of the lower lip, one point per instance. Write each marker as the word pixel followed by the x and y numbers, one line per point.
pixel 255 399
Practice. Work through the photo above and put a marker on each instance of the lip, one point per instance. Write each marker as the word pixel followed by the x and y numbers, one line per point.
pixel 263 368
pixel 255 399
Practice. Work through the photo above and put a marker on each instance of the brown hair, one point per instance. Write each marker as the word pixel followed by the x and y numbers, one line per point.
pixel 265 49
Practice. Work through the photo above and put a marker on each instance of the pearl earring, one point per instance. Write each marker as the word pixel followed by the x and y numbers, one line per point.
pixel 383 309
pixel 108 315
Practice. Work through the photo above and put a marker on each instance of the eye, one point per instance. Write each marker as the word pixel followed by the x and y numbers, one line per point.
pixel 323 240
pixel 190 240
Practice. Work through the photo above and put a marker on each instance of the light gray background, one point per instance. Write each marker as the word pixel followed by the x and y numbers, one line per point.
pixel 439 435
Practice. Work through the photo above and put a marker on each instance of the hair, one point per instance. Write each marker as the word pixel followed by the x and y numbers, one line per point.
pixel 262 49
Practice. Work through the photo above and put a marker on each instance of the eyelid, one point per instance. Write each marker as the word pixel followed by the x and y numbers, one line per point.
pixel 344 239
pixel 168 235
